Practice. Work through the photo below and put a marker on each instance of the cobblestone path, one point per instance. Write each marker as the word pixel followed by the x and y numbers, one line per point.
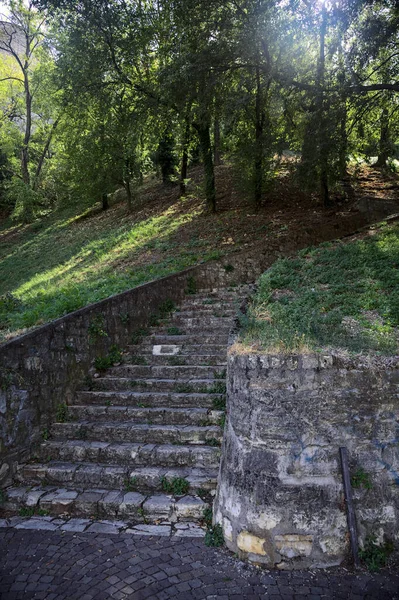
pixel 56 565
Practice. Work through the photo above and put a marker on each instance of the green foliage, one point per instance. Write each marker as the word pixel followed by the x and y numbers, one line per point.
pixel 220 374
pixel 166 308
pixel 191 286
pixel 342 295
pixel 97 327
pixel 214 537
pixel 174 331
pixel 375 556
pixel 138 335
pixel 202 493
pixel 6 379
pixel 178 486
pixel 219 387
pixel 219 403
pixel 361 479
pixel 124 317
pixel 62 414
pixel 45 434
pixel 114 356
pixel 130 485
pixel 214 443
pixel 208 517
pixel 24 199
pixel 222 421
pixel 32 511
pixel 228 268
pixel 88 382
pixel 214 533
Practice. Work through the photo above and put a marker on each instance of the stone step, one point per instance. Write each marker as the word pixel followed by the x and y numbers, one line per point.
pixel 88 475
pixel 166 372
pixel 191 338
pixel 138 433
pixel 194 327
pixel 218 303
pixel 182 359
pixel 149 349
pixel 165 416
pixel 205 311
pixel 150 399
pixel 126 384
pixel 133 455
pixel 97 502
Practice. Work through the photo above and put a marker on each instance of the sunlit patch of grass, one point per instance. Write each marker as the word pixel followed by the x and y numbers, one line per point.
pixel 342 295
pixel 65 263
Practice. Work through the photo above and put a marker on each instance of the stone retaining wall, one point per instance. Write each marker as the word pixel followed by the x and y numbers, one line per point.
pixel 43 368
pixel 280 495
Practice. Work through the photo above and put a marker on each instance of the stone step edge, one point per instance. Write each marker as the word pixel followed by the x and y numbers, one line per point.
pixel 95 502
pixel 74 525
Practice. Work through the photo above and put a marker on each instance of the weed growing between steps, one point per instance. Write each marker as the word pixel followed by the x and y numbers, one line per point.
pixel 62 415
pixel 130 484
pixel 32 511
pixel 114 356
pixel 178 486
pixel 214 533
pixel 338 295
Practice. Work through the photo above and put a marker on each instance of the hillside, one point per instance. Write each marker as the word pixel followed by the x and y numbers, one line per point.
pixel 342 295
pixel 77 256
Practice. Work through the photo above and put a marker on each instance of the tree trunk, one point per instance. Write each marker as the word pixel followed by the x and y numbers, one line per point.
pixel 44 152
pixel 259 123
pixel 216 138
pixel 184 160
pixel 104 200
pixel 385 142
pixel 28 129
pixel 129 195
pixel 323 141
pixel 343 150
pixel 209 172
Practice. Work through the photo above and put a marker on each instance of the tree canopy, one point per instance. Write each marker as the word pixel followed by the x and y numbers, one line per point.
pixel 96 95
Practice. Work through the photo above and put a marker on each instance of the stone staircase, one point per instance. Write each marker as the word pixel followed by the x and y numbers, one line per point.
pixel 142 442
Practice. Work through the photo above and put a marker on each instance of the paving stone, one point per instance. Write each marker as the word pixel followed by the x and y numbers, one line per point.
pixel 37 524
pixel 106 527
pixel 155 530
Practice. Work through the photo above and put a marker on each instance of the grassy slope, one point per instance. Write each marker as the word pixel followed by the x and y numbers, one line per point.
pixel 77 256
pixel 342 295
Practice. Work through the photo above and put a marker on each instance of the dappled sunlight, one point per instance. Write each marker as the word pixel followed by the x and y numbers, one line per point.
pixel 96 258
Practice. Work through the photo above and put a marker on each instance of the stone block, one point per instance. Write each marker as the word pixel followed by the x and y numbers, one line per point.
pixel 293 545
pixel 190 507
pixel 160 506
pixel 131 503
pixel 252 544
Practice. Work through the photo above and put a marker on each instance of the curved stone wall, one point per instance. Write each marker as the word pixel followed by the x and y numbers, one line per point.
pixel 280 495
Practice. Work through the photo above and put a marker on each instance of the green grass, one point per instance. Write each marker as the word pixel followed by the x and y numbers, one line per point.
pixel 339 295
pixel 69 260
